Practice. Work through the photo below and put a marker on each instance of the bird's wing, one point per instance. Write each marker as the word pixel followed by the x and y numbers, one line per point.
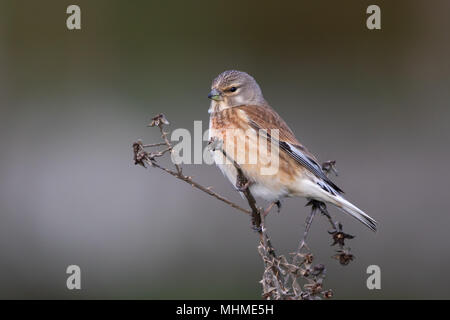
pixel 265 118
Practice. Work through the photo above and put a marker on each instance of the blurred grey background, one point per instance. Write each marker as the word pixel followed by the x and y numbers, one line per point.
pixel 72 102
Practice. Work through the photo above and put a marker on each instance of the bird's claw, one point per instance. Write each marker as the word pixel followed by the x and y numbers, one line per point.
pixel 256 228
pixel 241 186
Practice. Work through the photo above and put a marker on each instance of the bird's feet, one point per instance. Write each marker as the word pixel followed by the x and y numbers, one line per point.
pixel 256 228
pixel 242 185
pixel 317 205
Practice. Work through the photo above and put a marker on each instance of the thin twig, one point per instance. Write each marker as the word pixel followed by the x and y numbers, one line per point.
pixel 202 188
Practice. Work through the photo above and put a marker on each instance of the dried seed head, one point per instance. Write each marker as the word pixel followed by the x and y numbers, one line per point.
pixel 339 236
pixel 344 257
pixel 309 258
pixel 328 294
pixel 139 154
pixel 158 120
pixel 314 288
pixel 305 272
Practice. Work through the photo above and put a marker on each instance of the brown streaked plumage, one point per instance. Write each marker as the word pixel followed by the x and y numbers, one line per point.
pixel 238 113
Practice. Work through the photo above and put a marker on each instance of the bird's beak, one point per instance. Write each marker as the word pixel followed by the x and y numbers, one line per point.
pixel 215 95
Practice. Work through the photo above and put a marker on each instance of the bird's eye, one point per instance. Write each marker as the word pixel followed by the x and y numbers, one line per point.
pixel 233 89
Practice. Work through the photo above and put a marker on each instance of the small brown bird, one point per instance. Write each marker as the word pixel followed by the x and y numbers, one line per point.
pixel 238 115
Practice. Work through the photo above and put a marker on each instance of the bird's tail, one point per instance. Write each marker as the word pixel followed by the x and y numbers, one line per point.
pixel 353 211
pixel 324 192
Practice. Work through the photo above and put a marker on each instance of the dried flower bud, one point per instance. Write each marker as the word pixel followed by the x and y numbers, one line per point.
pixel 139 154
pixel 309 258
pixel 158 120
pixel 339 236
pixel 330 166
pixel 314 288
pixel 305 272
pixel 344 257
pixel 328 294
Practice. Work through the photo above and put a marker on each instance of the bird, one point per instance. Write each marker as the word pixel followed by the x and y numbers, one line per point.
pixel 237 112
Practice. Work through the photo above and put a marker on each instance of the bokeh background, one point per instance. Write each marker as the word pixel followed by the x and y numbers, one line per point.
pixel 72 102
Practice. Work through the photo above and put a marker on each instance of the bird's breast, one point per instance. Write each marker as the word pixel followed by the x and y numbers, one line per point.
pixel 270 179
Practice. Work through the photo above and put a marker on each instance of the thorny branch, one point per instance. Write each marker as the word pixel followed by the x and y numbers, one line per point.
pixel 281 276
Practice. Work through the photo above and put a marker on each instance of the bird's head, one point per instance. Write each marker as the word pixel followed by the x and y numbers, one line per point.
pixel 234 88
